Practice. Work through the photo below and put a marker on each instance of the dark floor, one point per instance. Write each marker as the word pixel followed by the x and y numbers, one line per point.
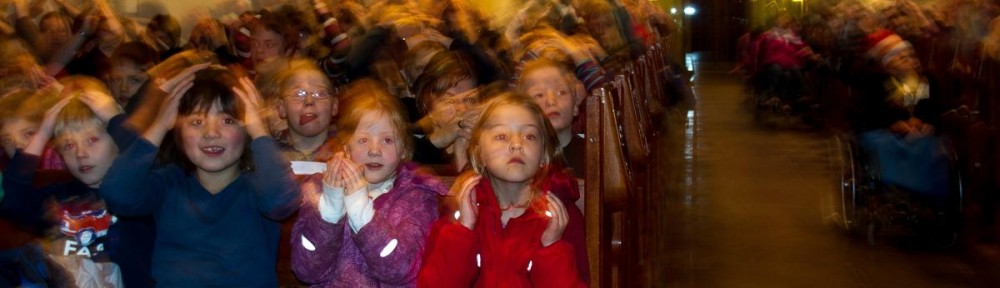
pixel 741 208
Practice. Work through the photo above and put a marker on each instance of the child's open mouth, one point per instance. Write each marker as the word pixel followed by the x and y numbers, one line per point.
pixel 213 150
pixel 374 166
pixel 306 118
pixel 516 160
pixel 85 168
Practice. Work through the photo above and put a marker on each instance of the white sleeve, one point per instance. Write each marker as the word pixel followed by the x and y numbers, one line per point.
pixel 331 204
pixel 360 209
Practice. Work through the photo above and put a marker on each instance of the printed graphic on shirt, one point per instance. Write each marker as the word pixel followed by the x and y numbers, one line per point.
pixel 85 231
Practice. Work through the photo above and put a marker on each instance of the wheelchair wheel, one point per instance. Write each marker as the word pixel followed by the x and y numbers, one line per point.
pixel 872 232
pixel 841 206
pixel 943 229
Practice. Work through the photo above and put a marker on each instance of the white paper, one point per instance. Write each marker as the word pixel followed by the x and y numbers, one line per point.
pixel 308 167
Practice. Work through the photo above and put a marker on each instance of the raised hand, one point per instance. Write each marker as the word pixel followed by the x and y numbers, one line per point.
pixel 354 179
pixel 557 223
pixel 332 176
pixel 38 141
pixel 252 103
pixel 167 115
pixel 468 207
pixel 102 104
pixel 185 76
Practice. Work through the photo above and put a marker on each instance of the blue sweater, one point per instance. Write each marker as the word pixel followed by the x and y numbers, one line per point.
pixel 226 239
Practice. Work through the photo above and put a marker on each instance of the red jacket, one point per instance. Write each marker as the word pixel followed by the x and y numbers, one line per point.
pixel 491 255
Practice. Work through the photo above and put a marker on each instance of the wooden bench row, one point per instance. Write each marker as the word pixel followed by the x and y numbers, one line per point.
pixel 618 149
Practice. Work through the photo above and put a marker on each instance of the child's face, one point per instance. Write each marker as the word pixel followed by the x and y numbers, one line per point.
pixel 266 46
pixel 308 116
pixel 456 98
pixel 88 153
pixel 124 81
pixel 15 134
pixel 511 144
pixel 213 141
pixel 554 94
pixel 376 146
pixel 55 32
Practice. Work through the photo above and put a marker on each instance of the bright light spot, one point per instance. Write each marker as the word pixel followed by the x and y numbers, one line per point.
pixel 307 244
pixel 673 10
pixel 529 265
pixel 479 261
pixel 548 213
pixel 388 248
pixel 457 213
pixel 690 10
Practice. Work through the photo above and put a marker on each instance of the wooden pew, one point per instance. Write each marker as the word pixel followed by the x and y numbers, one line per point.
pixel 606 195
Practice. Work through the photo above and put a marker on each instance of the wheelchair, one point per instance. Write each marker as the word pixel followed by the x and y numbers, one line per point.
pixel 863 205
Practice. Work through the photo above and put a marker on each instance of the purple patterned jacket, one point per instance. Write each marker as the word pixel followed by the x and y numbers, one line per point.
pixel 332 255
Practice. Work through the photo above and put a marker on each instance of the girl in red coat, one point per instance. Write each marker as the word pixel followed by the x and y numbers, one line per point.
pixel 509 228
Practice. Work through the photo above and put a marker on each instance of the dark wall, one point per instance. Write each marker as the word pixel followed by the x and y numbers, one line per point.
pixel 716 27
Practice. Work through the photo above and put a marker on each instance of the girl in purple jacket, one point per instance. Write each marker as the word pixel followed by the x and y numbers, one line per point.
pixel 368 226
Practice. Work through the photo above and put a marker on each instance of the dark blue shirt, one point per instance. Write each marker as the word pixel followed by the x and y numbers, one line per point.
pixel 226 239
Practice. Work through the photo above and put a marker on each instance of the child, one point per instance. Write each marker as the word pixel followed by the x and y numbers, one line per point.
pixel 308 106
pixel 18 127
pixel 216 209
pixel 446 94
pixel 557 91
pixel 127 75
pixel 511 219
pixel 388 202
pixel 91 244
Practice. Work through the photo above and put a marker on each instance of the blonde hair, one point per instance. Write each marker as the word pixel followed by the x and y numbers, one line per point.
pixel 76 115
pixel 284 77
pixel 367 96
pixel 550 143
pixel 538 64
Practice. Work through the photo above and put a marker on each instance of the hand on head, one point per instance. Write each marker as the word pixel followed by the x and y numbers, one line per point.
pixel 253 106
pixel 37 143
pixel 166 116
pixel 103 105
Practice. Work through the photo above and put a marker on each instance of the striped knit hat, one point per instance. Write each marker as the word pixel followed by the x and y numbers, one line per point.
pixel 883 45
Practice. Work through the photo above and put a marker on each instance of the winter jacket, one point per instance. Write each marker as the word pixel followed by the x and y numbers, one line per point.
pixel 386 252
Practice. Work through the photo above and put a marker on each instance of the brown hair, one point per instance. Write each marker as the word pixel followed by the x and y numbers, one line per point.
pixel 366 96
pixel 211 85
pixel 444 71
pixel 550 142
pixel 138 53
pixel 168 24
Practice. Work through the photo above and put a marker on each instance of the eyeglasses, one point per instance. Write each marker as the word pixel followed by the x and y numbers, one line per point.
pixel 299 95
pixel 468 100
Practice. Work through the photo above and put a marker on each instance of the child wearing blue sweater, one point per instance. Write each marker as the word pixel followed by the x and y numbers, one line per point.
pixel 217 205
pixel 87 243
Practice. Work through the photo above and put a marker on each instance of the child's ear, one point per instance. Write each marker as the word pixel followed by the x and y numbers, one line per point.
pixel 580 93
pixel 335 107
pixel 282 112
